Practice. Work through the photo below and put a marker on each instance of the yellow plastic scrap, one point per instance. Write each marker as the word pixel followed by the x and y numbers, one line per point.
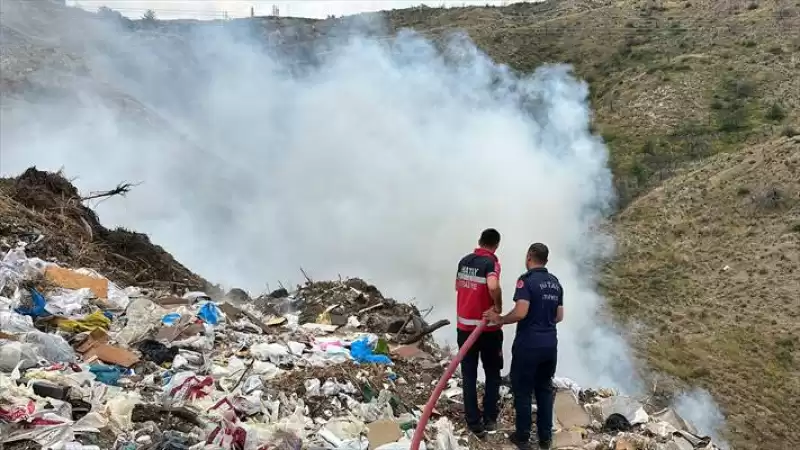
pixel 324 318
pixel 88 323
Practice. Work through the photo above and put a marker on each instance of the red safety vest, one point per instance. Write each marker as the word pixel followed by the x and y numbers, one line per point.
pixel 473 297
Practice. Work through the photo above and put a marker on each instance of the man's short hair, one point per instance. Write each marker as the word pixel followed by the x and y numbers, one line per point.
pixel 538 252
pixel 489 238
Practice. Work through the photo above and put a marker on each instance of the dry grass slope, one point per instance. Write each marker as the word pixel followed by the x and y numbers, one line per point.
pixel 672 81
pixel 710 263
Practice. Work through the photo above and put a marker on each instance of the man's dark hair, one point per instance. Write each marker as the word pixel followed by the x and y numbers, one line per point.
pixel 538 252
pixel 489 238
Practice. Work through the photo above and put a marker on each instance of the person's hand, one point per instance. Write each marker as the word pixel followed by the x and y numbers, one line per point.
pixel 491 316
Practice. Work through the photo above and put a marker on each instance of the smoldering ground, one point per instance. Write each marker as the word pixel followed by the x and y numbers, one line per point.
pixel 383 159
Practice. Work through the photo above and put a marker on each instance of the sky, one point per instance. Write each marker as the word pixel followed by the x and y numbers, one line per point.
pixel 215 9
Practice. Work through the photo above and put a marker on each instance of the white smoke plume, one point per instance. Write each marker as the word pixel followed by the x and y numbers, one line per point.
pixel 384 160
pixel 699 408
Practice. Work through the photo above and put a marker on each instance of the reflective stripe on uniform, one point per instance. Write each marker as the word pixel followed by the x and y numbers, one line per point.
pixel 469 322
pixel 474 279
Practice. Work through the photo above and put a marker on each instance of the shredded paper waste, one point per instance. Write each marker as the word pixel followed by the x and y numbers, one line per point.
pixel 87 364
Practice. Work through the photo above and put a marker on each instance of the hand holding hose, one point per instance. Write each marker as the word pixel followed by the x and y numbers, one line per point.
pixel 493 317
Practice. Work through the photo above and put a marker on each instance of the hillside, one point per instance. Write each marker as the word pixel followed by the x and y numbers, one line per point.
pixel 671 81
pixel 709 262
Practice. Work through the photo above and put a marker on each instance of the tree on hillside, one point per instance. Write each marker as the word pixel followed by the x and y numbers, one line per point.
pixel 149 16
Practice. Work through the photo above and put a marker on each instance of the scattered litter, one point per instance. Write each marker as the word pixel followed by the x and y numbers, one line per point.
pixel 331 365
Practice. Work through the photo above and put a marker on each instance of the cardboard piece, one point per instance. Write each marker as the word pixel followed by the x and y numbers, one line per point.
pixel 569 413
pixel 112 355
pixel 408 352
pixel 231 311
pixel 186 327
pixel 383 432
pixel 96 347
pixel 172 301
pixel 70 279
pixel 8 337
pixel 567 439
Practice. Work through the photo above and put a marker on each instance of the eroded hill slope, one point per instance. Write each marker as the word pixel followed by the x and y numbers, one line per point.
pixel 710 263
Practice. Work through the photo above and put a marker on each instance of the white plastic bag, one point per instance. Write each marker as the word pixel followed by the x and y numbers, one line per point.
pixel 11 322
pixel 67 302
pixel 142 315
pixel 13 354
pixel 51 347
pixel 119 409
pixel 274 353
pixel 16 267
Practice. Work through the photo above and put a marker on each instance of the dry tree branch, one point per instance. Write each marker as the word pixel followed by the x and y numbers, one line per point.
pixel 428 330
pixel 308 279
pixel 121 189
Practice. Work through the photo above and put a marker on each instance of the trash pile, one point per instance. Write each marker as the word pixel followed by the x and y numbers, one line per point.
pixel 160 359
pixel 87 364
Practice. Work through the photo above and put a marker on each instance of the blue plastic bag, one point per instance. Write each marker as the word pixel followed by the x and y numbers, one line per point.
pixel 38 306
pixel 109 375
pixel 362 353
pixel 171 319
pixel 209 313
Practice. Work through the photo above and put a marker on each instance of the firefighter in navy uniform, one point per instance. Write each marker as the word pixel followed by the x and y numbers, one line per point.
pixel 538 307
pixel 478 289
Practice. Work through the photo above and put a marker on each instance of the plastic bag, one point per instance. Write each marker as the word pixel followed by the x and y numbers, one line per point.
pixel 187 385
pixel 209 313
pixel 362 353
pixel 157 352
pixel 121 298
pixel 15 267
pixel 12 322
pixel 89 323
pixel 32 303
pixel 445 435
pixel 171 319
pixel 109 375
pixel 273 352
pixel 142 315
pixel 51 347
pixel 66 302
pixel 120 408
pixel 14 353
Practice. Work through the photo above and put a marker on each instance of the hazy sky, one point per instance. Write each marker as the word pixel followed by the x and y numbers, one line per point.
pixel 214 9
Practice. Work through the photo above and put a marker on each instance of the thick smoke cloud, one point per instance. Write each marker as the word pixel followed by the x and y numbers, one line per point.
pixel 384 161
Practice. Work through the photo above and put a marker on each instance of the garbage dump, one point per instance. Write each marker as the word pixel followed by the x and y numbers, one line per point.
pixel 89 364
pixel 160 359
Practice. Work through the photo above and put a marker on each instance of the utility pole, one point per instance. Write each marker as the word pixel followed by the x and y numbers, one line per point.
pixel 252 12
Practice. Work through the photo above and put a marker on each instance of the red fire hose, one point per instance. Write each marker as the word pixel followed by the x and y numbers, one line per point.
pixel 419 432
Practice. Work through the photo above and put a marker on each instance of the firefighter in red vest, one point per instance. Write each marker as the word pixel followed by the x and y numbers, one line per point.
pixel 478 290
